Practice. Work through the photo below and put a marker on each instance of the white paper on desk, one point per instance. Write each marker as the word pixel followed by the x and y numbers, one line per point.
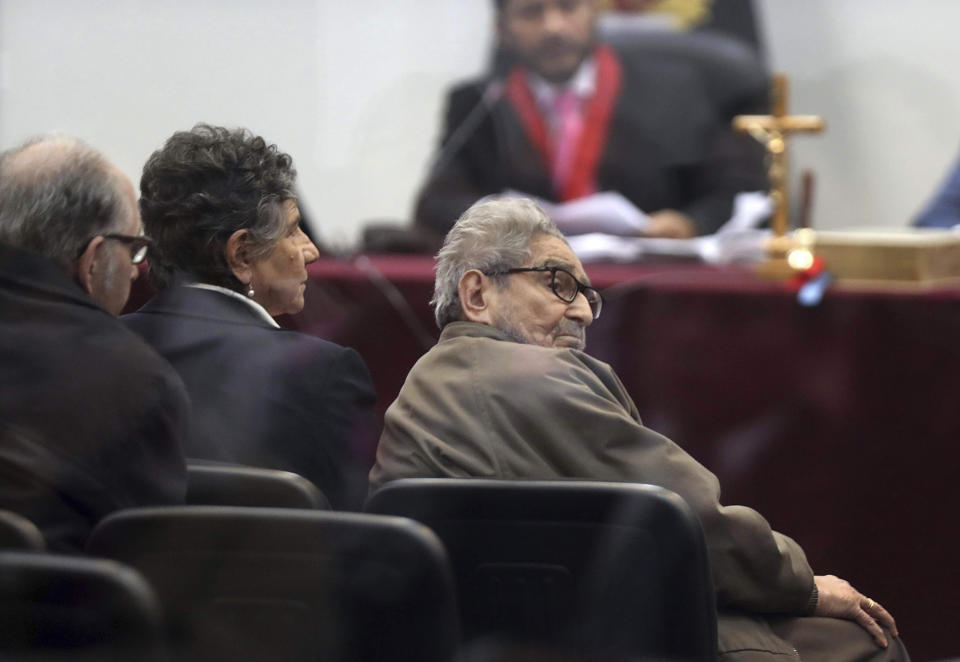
pixel 750 210
pixel 731 246
pixel 738 240
pixel 599 247
pixel 607 212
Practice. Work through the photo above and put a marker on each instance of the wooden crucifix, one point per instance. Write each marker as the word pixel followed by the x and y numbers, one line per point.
pixel 773 130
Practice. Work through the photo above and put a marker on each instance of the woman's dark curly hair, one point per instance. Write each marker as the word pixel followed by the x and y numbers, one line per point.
pixel 201 187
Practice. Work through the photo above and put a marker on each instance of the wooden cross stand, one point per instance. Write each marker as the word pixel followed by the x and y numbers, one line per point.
pixel 772 131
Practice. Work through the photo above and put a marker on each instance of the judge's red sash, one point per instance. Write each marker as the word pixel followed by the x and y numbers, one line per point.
pixel 597 114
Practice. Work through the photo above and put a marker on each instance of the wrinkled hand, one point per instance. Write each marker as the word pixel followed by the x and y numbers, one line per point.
pixel 839 599
pixel 669 223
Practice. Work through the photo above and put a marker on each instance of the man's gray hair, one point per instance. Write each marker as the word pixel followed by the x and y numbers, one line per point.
pixel 56 197
pixel 491 236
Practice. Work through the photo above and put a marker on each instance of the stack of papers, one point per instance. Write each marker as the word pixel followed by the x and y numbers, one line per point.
pixel 739 240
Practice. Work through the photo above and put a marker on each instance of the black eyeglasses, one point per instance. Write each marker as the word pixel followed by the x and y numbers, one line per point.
pixel 564 284
pixel 139 245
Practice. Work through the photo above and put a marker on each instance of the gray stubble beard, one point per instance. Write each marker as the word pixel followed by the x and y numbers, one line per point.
pixel 565 327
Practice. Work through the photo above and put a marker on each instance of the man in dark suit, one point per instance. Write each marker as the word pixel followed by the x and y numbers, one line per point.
pixel 221 206
pixel 91 418
pixel 638 144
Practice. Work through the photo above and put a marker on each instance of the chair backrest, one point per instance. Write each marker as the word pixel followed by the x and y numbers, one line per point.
pixel 17 532
pixel 291 584
pixel 609 568
pixel 731 72
pixel 235 485
pixel 55 607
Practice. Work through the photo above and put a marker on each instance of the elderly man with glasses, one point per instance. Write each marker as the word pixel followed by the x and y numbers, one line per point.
pixel 508 392
pixel 91 418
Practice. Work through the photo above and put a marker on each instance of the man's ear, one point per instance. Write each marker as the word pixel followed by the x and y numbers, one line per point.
pixel 238 256
pixel 477 297
pixel 88 265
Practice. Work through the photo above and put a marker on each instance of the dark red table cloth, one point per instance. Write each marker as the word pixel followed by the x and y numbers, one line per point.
pixel 837 422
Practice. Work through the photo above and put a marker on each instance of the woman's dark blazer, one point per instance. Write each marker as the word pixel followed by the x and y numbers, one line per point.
pixel 264 396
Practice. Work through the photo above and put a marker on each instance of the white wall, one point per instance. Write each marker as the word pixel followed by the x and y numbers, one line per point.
pixel 353 89
pixel 884 75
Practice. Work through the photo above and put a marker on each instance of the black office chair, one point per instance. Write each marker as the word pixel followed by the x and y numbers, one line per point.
pixel 732 73
pixel 272 583
pixel 612 569
pixel 56 608
pixel 236 485
pixel 17 532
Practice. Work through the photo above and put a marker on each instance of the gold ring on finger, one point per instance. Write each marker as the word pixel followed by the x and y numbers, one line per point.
pixel 871 604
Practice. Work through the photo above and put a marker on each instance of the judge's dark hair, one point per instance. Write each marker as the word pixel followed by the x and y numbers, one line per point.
pixel 201 187
pixel 56 192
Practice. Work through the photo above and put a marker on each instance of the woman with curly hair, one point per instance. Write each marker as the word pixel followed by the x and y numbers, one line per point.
pixel 221 207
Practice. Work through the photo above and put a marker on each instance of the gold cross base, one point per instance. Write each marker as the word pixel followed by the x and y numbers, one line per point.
pixel 777 266
pixel 775 269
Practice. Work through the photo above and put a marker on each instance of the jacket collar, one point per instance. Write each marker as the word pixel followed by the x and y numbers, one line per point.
pixel 259 310
pixel 471 330
pixel 200 303
pixel 28 271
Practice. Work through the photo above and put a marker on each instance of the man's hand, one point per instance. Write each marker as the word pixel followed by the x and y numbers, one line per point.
pixel 839 599
pixel 669 223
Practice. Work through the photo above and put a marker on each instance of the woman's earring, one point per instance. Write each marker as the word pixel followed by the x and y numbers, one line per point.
pixel 250 289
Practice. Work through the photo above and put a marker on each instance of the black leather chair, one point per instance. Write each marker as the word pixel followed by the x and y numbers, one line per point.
pixel 235 485
pixel 732 73
pixel 289 584
pixel 55 607
pixel 611 569
pixel 17 532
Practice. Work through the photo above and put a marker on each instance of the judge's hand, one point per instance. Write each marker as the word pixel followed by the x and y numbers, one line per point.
pixel 669 223
pixel 838 599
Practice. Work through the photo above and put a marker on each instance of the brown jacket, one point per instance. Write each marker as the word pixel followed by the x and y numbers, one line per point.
pixel 480 405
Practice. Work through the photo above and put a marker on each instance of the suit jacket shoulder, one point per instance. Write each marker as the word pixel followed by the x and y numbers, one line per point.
pixel 668 146
pixel 265 396
pixel 93 417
